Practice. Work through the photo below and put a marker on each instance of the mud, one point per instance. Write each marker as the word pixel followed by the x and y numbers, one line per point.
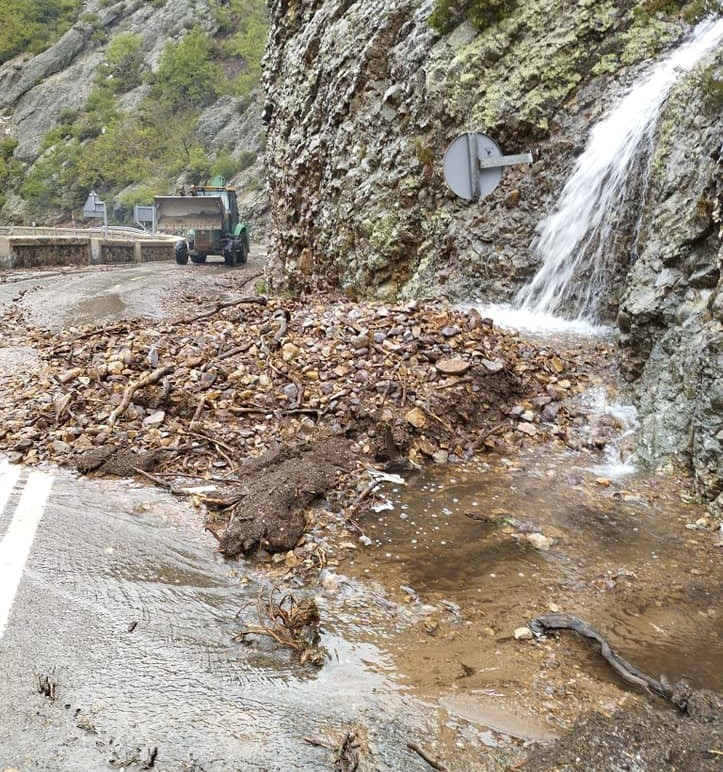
pixel 641 739
pixel 271 514
pixel 275 429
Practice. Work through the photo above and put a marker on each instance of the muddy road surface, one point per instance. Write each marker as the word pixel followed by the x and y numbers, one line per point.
pixel 119 653
pixel 199 479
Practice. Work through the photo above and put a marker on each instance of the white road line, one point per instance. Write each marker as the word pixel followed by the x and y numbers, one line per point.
pixel 8 478
pixel 15 545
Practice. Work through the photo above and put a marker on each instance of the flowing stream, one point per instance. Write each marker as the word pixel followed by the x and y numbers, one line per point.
pixel 574 240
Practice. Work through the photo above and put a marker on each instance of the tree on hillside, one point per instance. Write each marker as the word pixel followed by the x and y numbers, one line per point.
pixel 187 74
pixel 32 26
pixel 123 66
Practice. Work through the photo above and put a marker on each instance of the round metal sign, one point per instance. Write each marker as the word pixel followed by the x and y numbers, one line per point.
pixel 464 170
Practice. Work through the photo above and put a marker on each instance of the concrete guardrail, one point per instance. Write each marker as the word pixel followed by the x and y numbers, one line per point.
pixel 30 247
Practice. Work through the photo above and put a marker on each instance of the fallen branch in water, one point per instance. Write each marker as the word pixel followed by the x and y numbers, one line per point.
pixel 290 622
pixel 677 695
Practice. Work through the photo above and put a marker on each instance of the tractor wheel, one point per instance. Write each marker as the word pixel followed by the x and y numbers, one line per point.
pixel 181 252
pixel 198 259
pixel 241 253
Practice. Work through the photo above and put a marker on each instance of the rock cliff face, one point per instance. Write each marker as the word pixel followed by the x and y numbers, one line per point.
pixel 35 91
pixel 362 101
pixel 671 313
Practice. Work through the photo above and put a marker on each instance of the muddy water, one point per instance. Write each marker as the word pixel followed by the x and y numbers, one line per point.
pixel 125 603
pixel 479 550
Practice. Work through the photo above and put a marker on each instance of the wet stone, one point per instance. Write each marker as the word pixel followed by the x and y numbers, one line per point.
pixel 452 366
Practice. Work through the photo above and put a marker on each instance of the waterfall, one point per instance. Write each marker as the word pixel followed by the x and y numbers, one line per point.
pixel 574 240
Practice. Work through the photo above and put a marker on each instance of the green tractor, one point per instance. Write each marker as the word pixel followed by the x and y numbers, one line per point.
pixel 210 218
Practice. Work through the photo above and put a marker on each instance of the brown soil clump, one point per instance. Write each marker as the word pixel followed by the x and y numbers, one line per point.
pixel 271 512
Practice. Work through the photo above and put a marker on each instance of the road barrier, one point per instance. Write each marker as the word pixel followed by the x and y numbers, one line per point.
pixel 30 247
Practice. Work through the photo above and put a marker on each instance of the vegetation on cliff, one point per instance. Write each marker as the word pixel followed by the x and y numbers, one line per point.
pixel 30 27
pixel 129 153
pixel 447 14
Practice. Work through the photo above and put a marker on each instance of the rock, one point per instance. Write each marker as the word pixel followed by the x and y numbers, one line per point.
pixel 556 364
pixel 155 419
pixel 527 428
pixel 441 457
pixel 360 341
pixel 512 198
pixel 426 446
pixel 416 418
pixel 493 366
pixel 539 541
pixel 452 366
pixel 523 634
pixel 289 351
pixel 550 412
pixel 291 391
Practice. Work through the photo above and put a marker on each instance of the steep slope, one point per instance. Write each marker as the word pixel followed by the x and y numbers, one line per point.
pixel 363 99
pixel 99 84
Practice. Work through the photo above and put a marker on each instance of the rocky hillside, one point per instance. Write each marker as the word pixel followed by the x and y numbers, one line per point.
pixel 363 99
pixel 132 99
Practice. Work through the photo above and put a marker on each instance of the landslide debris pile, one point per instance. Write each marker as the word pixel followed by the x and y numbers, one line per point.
pixel 276 401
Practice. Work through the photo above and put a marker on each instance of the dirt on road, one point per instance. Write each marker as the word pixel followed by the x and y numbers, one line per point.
pixel 274 414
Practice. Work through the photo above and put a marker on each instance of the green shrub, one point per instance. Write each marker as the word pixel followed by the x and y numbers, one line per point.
pixel 10 167
pixel 246 159
pixel 140 195
pixel 122 70
pixel 224 166
pixel 447 14
pixel 33 26
pixel 51 183
pixel 187 74
pixel 243 25
pixel 7 147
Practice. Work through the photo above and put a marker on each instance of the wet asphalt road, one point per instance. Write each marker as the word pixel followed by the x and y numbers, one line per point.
pixel 117 648
pixel 101 294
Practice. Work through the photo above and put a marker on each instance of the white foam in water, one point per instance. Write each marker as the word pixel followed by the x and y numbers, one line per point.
pixel 617 463
pixel 535 322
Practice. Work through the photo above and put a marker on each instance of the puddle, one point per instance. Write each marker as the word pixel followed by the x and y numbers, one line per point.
pixel 98 296
pixel 98 309
pixel 463 544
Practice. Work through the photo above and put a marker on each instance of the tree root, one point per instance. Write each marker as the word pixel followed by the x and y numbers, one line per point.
pixel 290 622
